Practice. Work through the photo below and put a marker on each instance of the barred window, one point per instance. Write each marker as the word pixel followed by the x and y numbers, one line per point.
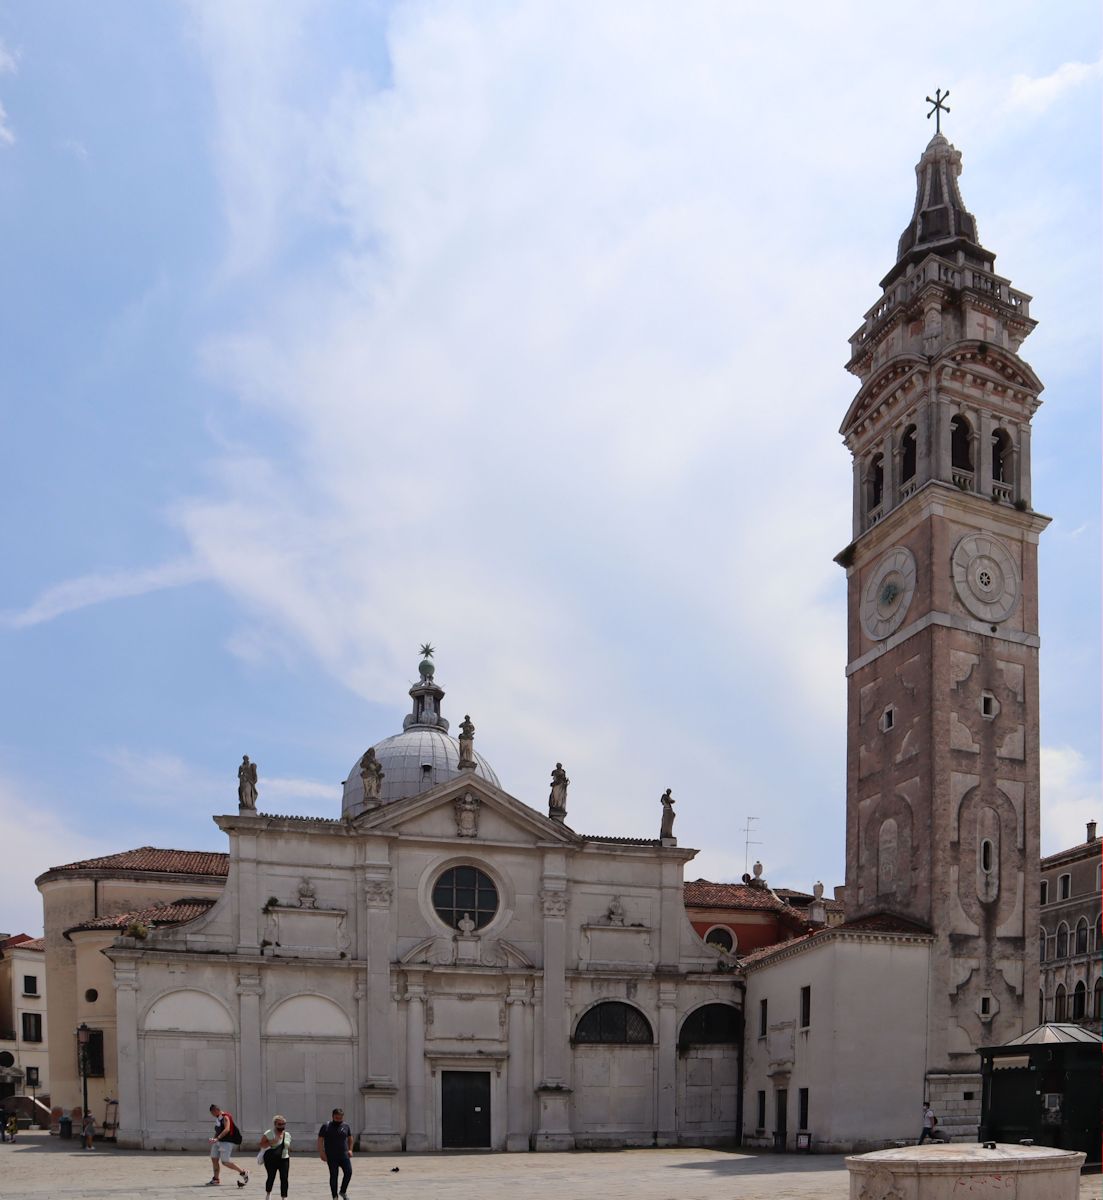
pixel 712 1025
pixel 616 1023
pixel 465 890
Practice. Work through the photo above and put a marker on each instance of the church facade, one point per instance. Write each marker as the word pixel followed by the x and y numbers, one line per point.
pixel 449 965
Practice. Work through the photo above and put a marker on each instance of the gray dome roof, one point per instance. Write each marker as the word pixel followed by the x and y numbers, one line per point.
pixel 404 758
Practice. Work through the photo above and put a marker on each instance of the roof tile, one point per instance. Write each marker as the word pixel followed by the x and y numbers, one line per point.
pixel 176 912
pixel 149 858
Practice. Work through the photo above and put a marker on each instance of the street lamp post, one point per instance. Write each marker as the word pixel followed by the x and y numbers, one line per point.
pixel 83 1036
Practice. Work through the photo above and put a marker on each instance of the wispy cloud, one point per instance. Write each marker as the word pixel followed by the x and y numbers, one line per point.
pixel 1036 94
pixel 9 64
pixel 1070 797
pixel 86 590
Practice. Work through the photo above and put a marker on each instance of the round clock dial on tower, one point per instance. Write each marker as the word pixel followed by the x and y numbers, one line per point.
pixel 888 593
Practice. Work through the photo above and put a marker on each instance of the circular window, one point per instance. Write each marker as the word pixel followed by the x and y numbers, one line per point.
pixel 465 894
pixel 721 938
pixel 7 1059
pixel 91 995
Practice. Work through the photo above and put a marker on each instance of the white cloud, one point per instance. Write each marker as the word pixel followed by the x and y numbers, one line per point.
pixel 75 594
pixel 9 64
pixel 1037 94
pixel 1070 797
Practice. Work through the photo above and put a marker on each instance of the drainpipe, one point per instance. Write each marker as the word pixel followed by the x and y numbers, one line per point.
pixel 742 986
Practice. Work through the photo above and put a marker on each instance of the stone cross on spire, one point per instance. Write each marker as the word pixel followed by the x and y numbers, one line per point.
pixel 938 108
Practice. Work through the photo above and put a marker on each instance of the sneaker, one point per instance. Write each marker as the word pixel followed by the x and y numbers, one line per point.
pixel 213 1182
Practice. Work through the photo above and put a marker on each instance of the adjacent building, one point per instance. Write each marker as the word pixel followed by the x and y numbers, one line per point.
pixel 24 1060
pixel 1070 938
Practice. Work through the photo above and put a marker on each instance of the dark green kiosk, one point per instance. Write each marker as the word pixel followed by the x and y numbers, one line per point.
pixel 1044 1086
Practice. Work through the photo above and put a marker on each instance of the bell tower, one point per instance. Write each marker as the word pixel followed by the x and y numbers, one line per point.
pixel 942 675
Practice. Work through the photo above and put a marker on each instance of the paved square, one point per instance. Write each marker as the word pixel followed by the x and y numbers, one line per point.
pixel 38 1166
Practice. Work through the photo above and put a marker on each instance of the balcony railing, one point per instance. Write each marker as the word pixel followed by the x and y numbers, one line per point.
pixel 961 479
pixel 1002 491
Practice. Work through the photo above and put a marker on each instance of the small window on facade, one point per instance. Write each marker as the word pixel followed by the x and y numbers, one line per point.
pixel 1045 891
pixel 1064 887
pixel 985 1006
pixel 762 1018
pixel 961 444
pixel 986 855
pixel 989 705
pixel 1082 936
pixel 1079 1001
pixel 805 1008
pixel 1059 1004
pixel 721 938
pixel 91 995
pixel 888 719
pixel 614 1023
pixel 32 1076
pixel 802 1107
pixel 1062 940
pixel 93 1053
pixel 32 1027
pixel 907 454
pixel 30 985
pixel 761 1121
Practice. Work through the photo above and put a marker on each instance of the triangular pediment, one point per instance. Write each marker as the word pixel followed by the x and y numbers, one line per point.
pixel 467 809
pixel 892 376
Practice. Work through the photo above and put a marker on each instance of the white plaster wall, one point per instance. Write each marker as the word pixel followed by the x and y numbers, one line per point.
pixel 862 1056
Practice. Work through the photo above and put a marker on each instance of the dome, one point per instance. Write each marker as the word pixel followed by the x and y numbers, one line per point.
pixel 404 759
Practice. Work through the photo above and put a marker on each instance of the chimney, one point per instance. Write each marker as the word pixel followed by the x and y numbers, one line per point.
pixel 817 910
pixel 1091 831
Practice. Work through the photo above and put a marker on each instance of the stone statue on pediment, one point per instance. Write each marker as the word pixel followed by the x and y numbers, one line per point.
pixel 371 773
pixel 666 830
pixel 467 815
pixel 467 744
pixel 557 800
pixel 247 783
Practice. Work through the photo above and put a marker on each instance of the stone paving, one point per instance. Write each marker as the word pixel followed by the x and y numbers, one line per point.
pixel 38 1166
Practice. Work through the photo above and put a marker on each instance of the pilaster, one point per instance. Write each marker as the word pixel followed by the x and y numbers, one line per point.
pixel 251 1110
pixel 667 1073
pixel 129 1071
pixel 554 1132
pixel 417 1139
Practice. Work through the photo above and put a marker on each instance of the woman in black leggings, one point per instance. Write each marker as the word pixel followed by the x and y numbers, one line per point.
pixel 276 1144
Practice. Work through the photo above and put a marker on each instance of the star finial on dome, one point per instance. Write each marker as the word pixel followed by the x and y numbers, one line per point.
pixel 426 650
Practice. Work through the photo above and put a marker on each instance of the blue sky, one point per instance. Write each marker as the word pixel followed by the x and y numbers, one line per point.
pixel 331 328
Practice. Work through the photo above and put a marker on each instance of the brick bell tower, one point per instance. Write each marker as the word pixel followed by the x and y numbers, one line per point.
pixel 942 675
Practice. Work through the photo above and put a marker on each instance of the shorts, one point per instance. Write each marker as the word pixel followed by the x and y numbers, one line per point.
pixel 222 1150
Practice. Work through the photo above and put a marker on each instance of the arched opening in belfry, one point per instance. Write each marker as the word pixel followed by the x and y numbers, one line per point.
pixel 1001 456
pixel 907 454
pixel 961 444
pixel 876 480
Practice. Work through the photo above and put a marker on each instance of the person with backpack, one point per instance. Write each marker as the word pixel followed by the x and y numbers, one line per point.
pixel 226 1137
pixel 275 1153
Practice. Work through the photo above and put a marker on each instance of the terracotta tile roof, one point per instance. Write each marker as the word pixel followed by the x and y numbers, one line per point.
pixel 30 944
pixel 176 912
pixel 17 939
pixel 701 893
pixel 803 899
pixel 620 841
pixel 877 923
pixel 148 858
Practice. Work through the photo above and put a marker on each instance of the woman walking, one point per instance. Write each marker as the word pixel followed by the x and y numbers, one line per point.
pixel 276 1147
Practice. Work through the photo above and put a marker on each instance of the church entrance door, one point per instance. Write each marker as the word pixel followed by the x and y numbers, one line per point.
pixel 465 1109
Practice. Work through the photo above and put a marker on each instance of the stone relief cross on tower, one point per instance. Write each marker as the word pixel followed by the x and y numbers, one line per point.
pixel 938 108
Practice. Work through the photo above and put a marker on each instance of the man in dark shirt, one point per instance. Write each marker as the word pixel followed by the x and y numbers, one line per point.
pixel 335 1148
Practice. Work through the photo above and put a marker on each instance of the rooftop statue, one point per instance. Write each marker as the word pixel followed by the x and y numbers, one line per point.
pixel 557 801
pixel 371 772
pixel 666 830
pixel 247 783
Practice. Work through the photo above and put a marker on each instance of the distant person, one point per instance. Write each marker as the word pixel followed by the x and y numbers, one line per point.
pixel 226 1137
pixel 3 1124
pixel 929 1122
pixel 276 1144
pixel 12 1123
pixel 88 1132
pixel 335 1148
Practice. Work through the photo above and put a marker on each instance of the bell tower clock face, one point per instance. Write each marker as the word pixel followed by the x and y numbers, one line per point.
pixel 888 593
pixel 985 577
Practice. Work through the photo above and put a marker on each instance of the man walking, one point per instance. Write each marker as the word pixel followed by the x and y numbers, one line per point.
pixel 335 1148
pixel 929 1122
pixel 226 1137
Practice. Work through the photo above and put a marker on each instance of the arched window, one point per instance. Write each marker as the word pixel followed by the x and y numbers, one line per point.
pixel 1082 936
pixel 712 1025
pixel 722 938
pixel 1041 945
pixel 1041 1007
pixel 614 1023
pixel 1062 940
pixel 907 454
pixel 875 480
pixel 1099 933
pixel 1060 1004
pixel 1079 1001
pixel 1001 456
pixel 1097 1001
pixel 961 444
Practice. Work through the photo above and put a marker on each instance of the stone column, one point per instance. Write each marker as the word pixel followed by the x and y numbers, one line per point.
pixel 983 461
pixel 251 1107
pixel 1022 465
pixel 416 1138
pixel 376 1019
pixel 519 1071
pixel 554 1132
pixel 667 1067
pixel 131 1131
pixel 891 472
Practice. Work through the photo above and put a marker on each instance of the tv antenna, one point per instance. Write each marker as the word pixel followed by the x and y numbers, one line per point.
pixel 748 843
